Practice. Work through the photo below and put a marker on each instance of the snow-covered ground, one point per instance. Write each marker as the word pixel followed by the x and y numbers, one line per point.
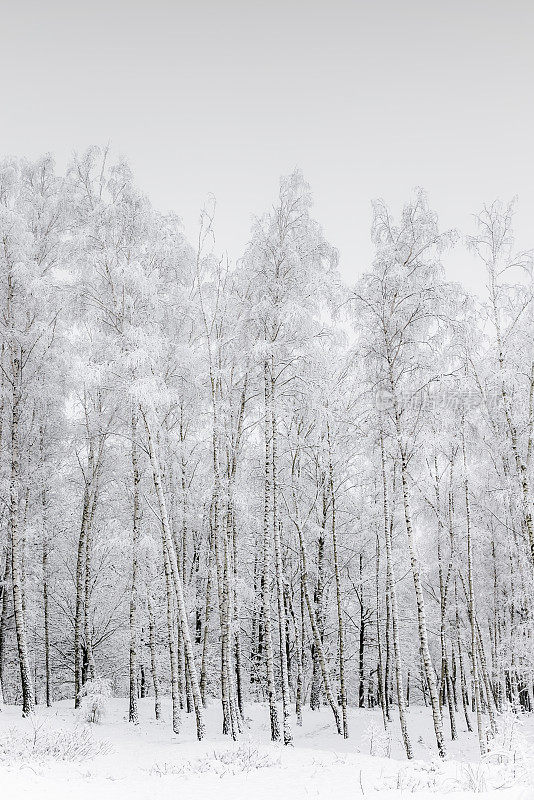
pixel 57 756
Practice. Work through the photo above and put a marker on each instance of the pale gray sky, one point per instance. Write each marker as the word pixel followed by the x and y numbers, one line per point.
pixel 367 98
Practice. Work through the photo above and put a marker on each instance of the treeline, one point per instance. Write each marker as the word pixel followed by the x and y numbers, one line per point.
pixel 251 483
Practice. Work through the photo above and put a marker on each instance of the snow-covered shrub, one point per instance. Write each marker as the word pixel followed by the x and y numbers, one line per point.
pixel 95 696
pixel 473 778
pixel 418 776
pixel 511 751
pixel 379 740
pixel 244 758
pixel 43 744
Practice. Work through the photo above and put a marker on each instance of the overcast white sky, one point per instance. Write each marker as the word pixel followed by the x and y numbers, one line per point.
pixel 367 98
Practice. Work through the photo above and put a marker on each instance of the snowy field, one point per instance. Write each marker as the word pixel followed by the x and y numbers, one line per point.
pixel 57 756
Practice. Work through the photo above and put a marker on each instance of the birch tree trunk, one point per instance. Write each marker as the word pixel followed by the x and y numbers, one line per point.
pixel 316 635
pixel 205 637
pixel 381 691
pixel 463 684
pixel 341 642
pixel 134 594
pixel 17 553
pixel 153 653
pixel 282 624
pixel 311 610
pixel 46 577
pixel 446 686
pixel 420 602
pixel 88 634
pixel 173 645
pixel 392 598
pixel 6 579
pixel 476 683
pixel 178 586
pixel 80 574
pixel 266 579
pixel 315 694
pixel 520 462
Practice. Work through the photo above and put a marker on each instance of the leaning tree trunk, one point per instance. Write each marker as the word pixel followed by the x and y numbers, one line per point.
pixel 316 636
pixel 177 579
pixel 311 613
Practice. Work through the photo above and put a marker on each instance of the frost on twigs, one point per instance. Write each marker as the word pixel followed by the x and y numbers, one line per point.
pixel 95 696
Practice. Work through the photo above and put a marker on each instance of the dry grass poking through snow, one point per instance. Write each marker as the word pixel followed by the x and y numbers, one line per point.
pixel 46 744
pixel 244 759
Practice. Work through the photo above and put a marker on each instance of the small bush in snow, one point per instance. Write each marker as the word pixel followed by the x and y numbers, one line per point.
pixel 95 696
pixel 44 744
pixel 244 758
pixel 473 778
pixel 379 741
pixel 511 751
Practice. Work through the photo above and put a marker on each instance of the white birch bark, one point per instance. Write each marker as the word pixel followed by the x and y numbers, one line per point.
pixel 177 580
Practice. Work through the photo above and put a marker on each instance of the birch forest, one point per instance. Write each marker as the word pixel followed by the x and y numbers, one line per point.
pixel 245 484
